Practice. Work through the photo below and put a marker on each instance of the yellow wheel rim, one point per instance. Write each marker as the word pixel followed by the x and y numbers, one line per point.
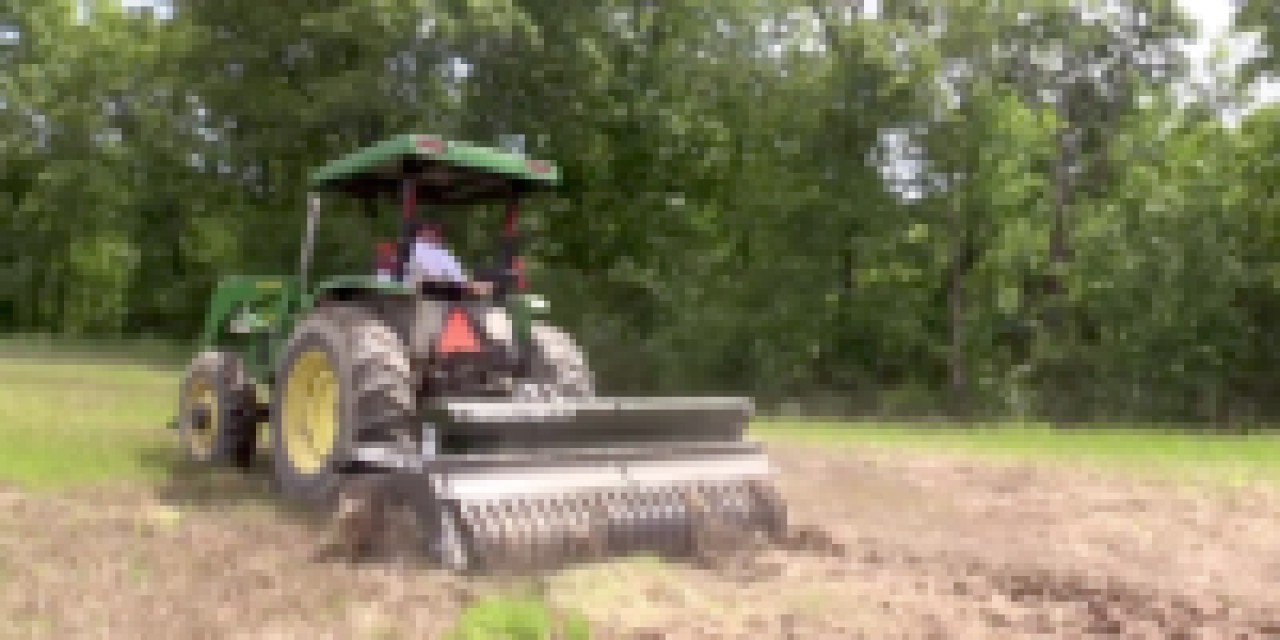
pixel 202 395
pixel 310 411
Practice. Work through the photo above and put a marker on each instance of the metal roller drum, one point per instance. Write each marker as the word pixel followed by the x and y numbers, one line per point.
pixel 541 532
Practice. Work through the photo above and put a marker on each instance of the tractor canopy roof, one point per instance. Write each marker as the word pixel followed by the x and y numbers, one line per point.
pixel 447 172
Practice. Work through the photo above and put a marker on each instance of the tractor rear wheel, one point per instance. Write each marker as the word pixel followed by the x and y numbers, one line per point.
pixel 344 378
pixel 217 421
pixel 559 368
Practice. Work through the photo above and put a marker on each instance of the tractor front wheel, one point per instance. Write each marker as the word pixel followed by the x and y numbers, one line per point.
pixel 344 378
pixel 217 422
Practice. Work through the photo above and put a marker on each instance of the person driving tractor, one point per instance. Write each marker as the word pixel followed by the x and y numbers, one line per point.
pixel 430 259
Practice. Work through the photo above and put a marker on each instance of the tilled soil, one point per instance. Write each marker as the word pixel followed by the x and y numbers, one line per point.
pixel 886 544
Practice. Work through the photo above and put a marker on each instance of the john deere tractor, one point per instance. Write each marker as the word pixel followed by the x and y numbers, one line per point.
pixel 491 411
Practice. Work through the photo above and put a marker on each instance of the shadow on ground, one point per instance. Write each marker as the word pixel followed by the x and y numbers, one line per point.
pixel 196 486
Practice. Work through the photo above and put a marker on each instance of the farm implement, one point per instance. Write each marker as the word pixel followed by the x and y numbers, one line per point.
pixel 486 411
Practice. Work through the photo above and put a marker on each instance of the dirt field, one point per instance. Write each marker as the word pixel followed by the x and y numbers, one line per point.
pixel 889 544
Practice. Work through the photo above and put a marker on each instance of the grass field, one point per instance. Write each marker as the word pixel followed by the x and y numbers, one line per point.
pixel 70 423
pixel 1142 448
pixel 70 417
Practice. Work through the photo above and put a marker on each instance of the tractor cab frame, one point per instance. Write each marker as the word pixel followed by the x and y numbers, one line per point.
pixel 417 172
pixel 431 171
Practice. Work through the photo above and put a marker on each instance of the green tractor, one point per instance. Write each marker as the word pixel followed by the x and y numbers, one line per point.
pixel 491 413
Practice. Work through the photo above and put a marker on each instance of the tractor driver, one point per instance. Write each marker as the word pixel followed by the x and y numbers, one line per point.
pixel 431 260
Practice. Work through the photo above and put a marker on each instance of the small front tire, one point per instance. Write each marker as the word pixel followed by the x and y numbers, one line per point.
pixel 217 412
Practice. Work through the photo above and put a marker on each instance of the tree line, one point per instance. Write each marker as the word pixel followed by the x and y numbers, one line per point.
pixel 944 207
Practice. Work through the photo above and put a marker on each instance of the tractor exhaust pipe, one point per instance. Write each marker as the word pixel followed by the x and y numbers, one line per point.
pixel 313 213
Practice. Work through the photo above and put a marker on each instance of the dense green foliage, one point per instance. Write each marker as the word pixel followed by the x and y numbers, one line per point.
pixel 1074 241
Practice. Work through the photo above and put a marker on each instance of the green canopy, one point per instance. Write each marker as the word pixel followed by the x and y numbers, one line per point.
pixel 447 172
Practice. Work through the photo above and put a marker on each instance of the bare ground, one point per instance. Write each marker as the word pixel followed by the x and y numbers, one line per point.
pixel 887 545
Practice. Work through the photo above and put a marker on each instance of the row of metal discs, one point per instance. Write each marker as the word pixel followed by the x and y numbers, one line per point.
pixel 525 533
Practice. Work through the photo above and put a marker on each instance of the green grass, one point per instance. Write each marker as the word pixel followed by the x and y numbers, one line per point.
pixel 67 419
pixel 67 422
pixel 1132 446
pixel 524 618
pixel 133 352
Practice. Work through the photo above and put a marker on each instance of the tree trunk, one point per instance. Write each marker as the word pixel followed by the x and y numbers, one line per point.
pixel 958 300
pixel 1058 237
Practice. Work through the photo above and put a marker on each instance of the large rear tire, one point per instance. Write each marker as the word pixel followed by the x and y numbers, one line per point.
pixel 559 368
pixel 217 421
pixel 344 378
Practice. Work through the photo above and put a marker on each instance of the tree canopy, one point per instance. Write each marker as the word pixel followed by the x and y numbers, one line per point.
pixel 943 206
